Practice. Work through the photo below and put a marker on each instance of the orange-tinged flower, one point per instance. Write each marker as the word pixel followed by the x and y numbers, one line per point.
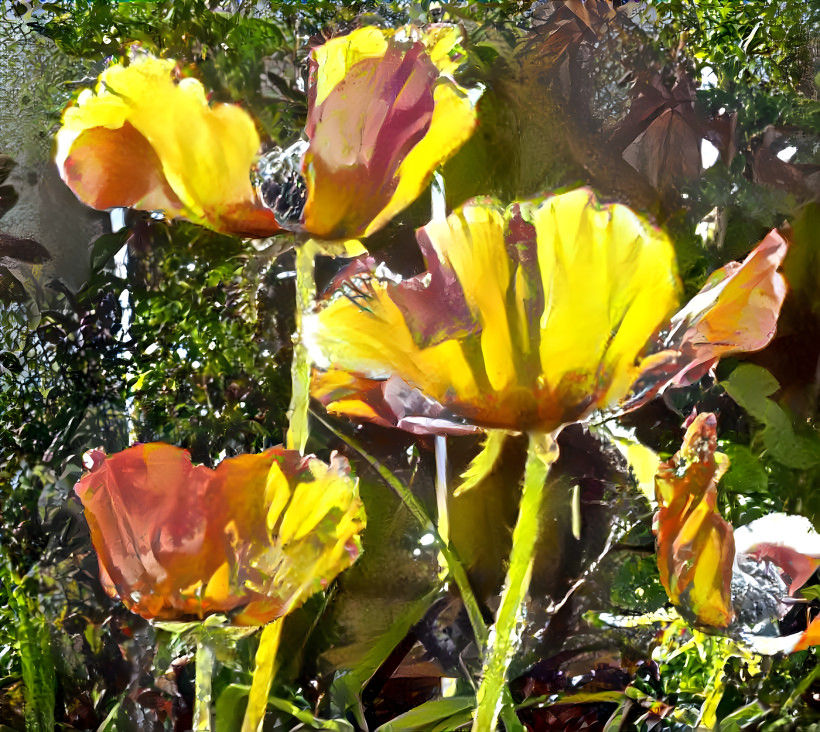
pixel 383 113
pixel 145 140
pixel 737 580
pixel 527 318
pixel 695 543
pixel 254 537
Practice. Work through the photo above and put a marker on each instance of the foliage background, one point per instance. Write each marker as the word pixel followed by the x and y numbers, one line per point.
pixel 168 332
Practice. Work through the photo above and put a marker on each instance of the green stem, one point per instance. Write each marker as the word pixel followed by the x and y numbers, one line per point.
pixel 506 633
pixel 262 677
pixel 300 367
pixel 205 662
pixel 417 510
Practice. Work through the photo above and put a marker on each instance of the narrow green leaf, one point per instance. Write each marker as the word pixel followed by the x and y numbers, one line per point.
pixel 425 716
pixel 483 463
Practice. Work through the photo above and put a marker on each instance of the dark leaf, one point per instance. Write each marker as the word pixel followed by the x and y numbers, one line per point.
pixel 801 181
pixel 11 289
pixel 8 198
pixel 10 362
pixel 23 250
pixel 6 166
pixel 660 136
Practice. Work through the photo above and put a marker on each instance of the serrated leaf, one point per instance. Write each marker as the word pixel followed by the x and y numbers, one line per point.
pixel 746 474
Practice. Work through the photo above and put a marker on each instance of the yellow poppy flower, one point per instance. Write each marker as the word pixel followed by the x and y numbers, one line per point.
pixel 383 114
pixel 254 537
pixel 527 318
pixel 144 140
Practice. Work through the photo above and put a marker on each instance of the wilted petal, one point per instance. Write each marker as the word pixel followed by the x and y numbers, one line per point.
pixel 382 115
pixel 790 542
pixel 175 539
pixel 736 311
pixel 695 543
pixel 527 318
pixel 142 140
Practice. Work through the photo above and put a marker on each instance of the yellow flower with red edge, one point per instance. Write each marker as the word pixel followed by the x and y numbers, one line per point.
pixel 736 581
pixel 145 139
pixel 383 113
pixel 528 318
pixel 695 543
pixel 255 537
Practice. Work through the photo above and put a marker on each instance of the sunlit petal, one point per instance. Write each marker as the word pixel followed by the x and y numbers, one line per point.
pixel 144 140
pixel 383 114
pixel 736 311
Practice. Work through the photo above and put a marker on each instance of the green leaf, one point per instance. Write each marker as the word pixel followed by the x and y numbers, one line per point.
pixel 747 717
pixel 751 386
pixel 346 688
pixel 105 247
pixel 427 716
pixel 305 717
pixel 811 593
pixel 230 707
pixel 746 474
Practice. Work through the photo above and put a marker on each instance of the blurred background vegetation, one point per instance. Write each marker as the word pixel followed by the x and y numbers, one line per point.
pixel 124 328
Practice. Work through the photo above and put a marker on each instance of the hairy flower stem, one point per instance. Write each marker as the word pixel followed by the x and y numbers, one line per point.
pixel 504 637
pixel 205 662
pixel 262 676
pixel 300 367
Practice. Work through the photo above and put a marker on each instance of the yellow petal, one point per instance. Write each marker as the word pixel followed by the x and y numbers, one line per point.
pixel 453 122
pixel 609 281
pixel 336 57
pixel 472 244
pixel 277 495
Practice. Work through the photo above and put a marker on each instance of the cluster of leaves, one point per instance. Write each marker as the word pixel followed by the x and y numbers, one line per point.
pixel 184 336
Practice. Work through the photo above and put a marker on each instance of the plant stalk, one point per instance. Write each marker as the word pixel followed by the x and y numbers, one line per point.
pixel 263 675
pixel 300 367
pixel 205 662
pixel 442 511
pixel 505 635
